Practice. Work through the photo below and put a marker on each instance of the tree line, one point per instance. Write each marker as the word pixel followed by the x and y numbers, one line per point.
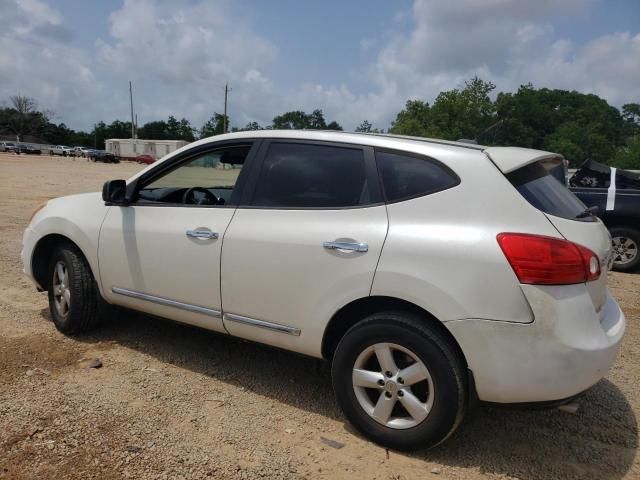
pixel 577 125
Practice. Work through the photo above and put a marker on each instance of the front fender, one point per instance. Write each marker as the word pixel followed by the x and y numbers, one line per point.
pixel 78 218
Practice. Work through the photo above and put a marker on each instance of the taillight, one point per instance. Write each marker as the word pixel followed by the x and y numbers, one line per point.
pixel 541 260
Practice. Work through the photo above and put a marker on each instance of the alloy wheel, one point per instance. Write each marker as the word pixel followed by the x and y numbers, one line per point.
pixel 393 386
pixel 61 292
pixel 625 250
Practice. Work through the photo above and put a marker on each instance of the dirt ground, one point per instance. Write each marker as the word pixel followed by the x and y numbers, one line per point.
pixel 172 401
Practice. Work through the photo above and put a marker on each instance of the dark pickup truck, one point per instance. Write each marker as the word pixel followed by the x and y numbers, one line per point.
pixel 103 156
pixel 615 194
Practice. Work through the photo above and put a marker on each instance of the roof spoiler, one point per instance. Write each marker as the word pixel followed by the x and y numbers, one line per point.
pixel 508 159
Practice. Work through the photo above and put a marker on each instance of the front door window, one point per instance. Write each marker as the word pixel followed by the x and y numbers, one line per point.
pixel 208 179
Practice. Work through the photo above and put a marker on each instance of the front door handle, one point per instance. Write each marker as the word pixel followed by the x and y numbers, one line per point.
pixel 350 246
pixel 202 233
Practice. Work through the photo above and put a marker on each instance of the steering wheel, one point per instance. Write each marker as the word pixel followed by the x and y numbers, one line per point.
pixel 189 199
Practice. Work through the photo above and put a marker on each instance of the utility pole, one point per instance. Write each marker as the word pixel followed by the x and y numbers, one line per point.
pixel 224 119
pixel 133 128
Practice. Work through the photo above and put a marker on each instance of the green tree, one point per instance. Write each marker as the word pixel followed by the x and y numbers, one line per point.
pixel 462 113
pixel 628 155
pixel 412 120
pixel 295 120
pixel 185 131
pixel 118 129
pixel 631 117
pixel 315 120
pixel 155 130
pixel 364 127
pixel 455 114
pixel 577 125
pixel 23 118
pixel 173 128
pixel 299 120
pixel 213 126
pixel 252 126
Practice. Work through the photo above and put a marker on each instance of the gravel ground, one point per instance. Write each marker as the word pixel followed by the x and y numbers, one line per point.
pixel 172 401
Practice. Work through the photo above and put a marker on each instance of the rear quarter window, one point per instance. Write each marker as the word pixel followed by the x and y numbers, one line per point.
pixel 405 176
pixel 546 193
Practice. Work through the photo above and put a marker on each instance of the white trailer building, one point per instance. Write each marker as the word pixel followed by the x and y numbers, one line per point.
pixel 132 147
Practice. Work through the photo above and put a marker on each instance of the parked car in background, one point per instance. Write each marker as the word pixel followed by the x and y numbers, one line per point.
pixel 28 149
pixel 81 151
pixel 146 159
pixel 62 150
pixel 429 273
pixel 103 156
pixel 614 194
pixel 7 147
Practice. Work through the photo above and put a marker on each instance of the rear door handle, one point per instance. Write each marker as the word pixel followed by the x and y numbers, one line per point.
pixel 202 233
pixel 350 246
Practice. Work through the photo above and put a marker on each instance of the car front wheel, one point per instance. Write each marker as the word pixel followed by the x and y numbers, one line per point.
pixel 73 295
pixel 399 381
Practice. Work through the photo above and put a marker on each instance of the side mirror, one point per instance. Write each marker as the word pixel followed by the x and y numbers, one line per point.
pixel 114 192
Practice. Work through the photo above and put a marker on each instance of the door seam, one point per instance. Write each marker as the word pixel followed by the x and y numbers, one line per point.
pixel 224 234
pixel 384 242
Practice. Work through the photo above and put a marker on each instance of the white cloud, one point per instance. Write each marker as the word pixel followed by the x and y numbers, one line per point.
pixel 37 60
pixel 509 42
pixel 180 54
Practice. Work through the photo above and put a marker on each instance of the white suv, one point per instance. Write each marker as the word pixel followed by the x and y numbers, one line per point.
pixel 61 150
pixel 429 273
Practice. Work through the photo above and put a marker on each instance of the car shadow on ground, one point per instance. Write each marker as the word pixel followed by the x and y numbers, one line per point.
pixel 599 441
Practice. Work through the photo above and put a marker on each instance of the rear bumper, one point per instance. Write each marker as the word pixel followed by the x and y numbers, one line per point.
pixel 567 348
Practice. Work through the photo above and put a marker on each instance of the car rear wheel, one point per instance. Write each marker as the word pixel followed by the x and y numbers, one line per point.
pixel 400 382
pixel 73 295
pixel 626 242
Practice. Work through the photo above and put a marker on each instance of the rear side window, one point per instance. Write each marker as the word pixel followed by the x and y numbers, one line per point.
pixel 405 176
pixel 296 175
pixel 546 193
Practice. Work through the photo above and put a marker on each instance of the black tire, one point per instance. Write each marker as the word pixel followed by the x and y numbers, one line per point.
pixel 83 312
pixel 447 370
pixel 630 234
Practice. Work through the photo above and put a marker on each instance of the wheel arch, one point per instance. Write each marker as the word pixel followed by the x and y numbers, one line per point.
pixel 42 253
pixel 353 312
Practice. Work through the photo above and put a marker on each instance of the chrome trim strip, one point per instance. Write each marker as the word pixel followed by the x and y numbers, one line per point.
pixel 167 302
pixel 277 327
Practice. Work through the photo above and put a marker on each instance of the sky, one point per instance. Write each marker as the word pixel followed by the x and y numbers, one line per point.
pixel 354 60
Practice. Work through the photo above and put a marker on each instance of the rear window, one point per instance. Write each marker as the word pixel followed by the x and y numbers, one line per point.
pixel 546 193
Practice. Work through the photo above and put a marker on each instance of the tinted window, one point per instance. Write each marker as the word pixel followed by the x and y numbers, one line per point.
pixel 546 193
pixel 405 177
pixel 312 176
